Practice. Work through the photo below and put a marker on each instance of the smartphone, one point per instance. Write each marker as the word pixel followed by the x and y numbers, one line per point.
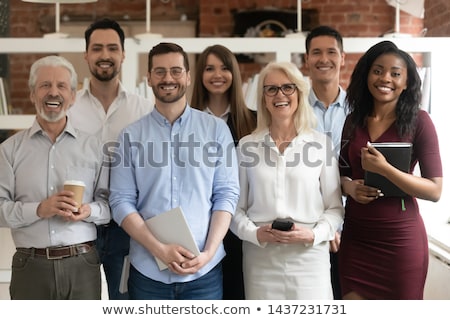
pixel 282 225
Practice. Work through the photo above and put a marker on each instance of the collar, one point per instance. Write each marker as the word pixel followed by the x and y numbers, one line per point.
pixel 339 102
pixel 223 116
pixel 264 137
pixel 160 119
pixel 86 90
pixel 36 128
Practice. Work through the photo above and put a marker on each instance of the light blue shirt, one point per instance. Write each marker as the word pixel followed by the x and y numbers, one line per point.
pixel 330 120
pixel 158 166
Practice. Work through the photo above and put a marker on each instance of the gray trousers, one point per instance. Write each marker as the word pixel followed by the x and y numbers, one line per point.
pixel 74 278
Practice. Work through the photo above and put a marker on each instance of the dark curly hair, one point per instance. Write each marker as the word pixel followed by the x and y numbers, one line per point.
pixel 360 99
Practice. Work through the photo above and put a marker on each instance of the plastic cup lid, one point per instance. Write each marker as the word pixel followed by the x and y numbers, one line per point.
pixel 75 182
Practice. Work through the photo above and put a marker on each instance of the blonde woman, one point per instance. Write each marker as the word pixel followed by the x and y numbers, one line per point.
pixel 288 173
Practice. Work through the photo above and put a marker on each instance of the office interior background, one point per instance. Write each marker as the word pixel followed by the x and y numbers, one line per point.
pixel 235 19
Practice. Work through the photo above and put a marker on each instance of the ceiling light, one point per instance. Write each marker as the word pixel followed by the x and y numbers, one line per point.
pixel 148 34
pixel 413 7
pixel 299 33
pixel 57 33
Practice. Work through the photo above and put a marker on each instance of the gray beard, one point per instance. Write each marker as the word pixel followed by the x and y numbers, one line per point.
pixel 53 116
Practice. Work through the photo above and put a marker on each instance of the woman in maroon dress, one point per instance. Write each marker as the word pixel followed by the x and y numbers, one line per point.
pixel 384 248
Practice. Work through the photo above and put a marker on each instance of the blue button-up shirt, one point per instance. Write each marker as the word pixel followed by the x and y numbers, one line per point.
pixel 158 166
pixel 330 120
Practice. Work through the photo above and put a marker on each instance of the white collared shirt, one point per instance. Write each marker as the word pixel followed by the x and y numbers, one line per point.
pixel 88 114
pixel 223 116
pixel 301 185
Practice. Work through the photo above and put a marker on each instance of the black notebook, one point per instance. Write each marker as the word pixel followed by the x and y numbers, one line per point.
pixel 397 154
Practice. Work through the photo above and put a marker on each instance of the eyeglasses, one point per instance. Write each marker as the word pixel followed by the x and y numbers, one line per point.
pixel 287 89
pixel 175 72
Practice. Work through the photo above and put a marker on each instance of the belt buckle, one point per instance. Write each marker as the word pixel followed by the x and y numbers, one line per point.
pixel 47 252
pixel 81 249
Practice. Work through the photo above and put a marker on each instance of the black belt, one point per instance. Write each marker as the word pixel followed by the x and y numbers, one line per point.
pixel 111 223
pixel 59 252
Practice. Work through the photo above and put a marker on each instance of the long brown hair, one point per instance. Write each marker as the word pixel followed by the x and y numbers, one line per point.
pixel 243 120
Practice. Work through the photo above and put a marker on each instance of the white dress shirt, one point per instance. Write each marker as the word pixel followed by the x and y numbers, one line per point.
pixel 88 114
pixel 302 184
pixel 223 116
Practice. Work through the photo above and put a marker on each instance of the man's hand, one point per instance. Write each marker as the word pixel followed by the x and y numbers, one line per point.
pixel 59 204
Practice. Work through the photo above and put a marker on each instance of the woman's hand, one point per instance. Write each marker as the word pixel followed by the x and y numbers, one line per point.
pixel 373 160
pixel 297 234
pixel 359 191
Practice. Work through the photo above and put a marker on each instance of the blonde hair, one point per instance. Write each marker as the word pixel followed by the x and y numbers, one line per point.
pixel 304 118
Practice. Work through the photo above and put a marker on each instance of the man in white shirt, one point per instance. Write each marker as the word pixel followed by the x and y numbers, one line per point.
pixel 104 107
pixel 324 59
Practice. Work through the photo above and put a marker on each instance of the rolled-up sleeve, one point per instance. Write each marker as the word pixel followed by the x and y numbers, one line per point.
pixel 226 177
pixel 123 188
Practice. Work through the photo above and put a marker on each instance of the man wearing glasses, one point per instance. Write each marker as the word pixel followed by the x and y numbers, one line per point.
pixel 176 156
